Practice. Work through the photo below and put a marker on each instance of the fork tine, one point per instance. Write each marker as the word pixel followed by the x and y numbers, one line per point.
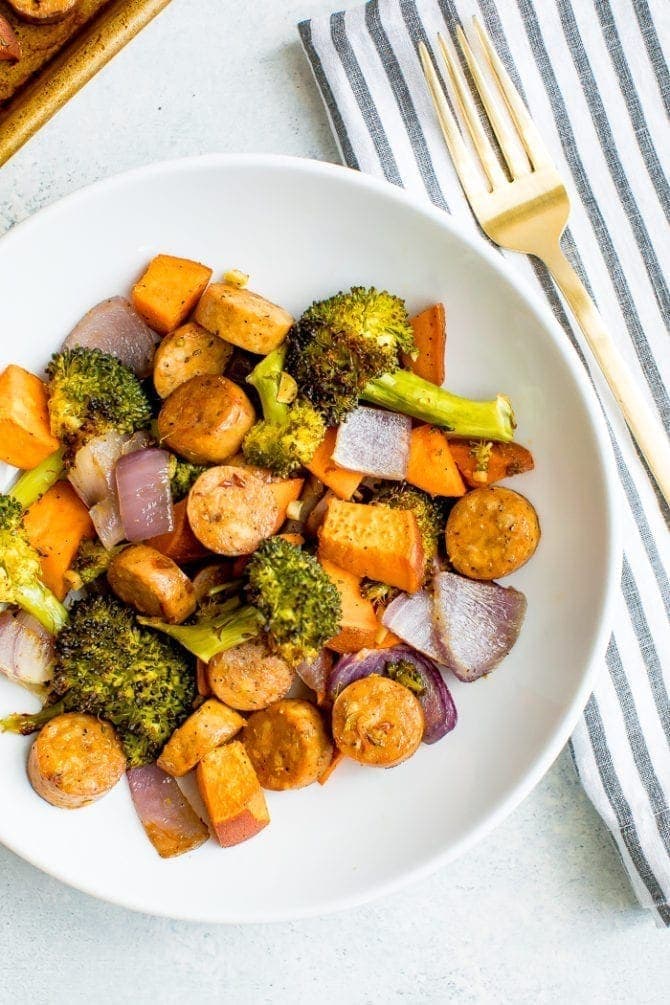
pixel 509 143
pixel 532 141
pixel 466 168
pixel 467 108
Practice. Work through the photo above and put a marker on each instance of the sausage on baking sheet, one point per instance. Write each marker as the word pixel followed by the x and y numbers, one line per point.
pixel 205 419
pixel 249 677
pixel 152 583
pixel 491 532
pixel 377 721
pixel 287 744
pixel 75 760
pixel 231 510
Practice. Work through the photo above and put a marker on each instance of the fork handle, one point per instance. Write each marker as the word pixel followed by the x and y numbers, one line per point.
pixel 644 425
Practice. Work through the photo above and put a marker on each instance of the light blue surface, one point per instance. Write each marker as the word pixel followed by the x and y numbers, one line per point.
pixel 539 912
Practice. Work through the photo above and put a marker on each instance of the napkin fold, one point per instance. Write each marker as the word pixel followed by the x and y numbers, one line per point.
pixel 595 79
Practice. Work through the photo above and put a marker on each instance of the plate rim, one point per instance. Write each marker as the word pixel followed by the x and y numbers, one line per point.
pixel 550 327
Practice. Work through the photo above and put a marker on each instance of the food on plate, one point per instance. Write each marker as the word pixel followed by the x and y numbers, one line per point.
pixel 231 510
pixel 250 676
pixel 169 820
pixel 151 583
pixel 291 430
pixel 243 318
pixel 169 290
pixel 287 744
pixel 430 338
pixel 205 419
pixel 491 532
pixel 44 11
pixel 210 726
pixel 109 667
pixel 75 760
pixel 190 351
pixel 232 794
pixel 10 47
pixel 482 463
pixel 282 549
pixel 377 721
pixel 374 541
pixel 25 434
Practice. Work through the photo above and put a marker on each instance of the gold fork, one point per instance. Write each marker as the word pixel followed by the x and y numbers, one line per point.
pixel 526 209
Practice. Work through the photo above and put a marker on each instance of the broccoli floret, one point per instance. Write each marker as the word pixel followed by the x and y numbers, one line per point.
pixel 346 349
pixel 379 594
pixel 91 393
pixel 430 513
pixel 21 572
pixel 140 682
pixel 91 561
pixel 290 431
pixel 183 475
pixel 340 344
pixel 291 598
pixel 34 483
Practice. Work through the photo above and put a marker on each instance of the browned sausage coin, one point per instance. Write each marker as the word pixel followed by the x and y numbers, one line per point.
pixel 287 744
pixel 377 721
pixel 490 532
pixel 231 510
pixel 205 419
pixel 152 583
pixel 249 677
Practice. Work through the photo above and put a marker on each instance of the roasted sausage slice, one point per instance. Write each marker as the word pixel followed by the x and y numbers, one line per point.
pixel 190 351
pixel 75 760
pixel 377 721
pixel 243 318
pixel 152 583
pixel 210 726
pixel 288 744
pixel 491 532
pixel 249 677
pixel 205 419
pixel 43 11
pixel 231 510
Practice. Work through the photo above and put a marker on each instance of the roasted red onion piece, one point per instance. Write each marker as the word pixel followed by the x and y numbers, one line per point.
pixel 107 522
pixel 315 673
pixel 410 617
pixel 171 823
pixel 92 474
pixel 476 623
pixel 143 491
pixel 26 649
pixel 410 668
pixel 374 442
pixel 115 327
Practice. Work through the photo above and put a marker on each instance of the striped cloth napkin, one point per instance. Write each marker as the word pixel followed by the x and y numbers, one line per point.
pixel 595 79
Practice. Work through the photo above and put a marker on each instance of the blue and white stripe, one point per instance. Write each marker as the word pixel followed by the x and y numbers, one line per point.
pixel 595 75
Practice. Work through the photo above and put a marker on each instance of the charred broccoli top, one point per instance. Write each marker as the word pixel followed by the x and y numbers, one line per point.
pixel 21 572
pixel 91 561
pixel 291 598
pixel 91 393
pixel 183 474
pixel 107 666
pixel 290 431
pixel 340 344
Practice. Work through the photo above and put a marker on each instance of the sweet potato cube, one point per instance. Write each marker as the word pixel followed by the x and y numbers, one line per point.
pixel 180 544
pixel 232 794
pixel 56 525
pixel 431 466
pixel 210 726
pixel 430 336
pixel 374 541
pixel 359 628
pixel 169 290
pixel 25 433
pixel 341 481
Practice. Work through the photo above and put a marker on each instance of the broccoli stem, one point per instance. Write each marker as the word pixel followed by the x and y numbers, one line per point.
pixel 39 601
pixel 208 638
pixel 26 723
pixel 265 377
pixel 404 392
pixel 33 484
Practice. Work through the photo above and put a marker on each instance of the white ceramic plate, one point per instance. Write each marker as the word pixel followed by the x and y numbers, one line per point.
pixel 303 230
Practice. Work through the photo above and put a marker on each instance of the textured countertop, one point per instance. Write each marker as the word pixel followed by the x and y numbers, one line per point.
pixel 541 910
